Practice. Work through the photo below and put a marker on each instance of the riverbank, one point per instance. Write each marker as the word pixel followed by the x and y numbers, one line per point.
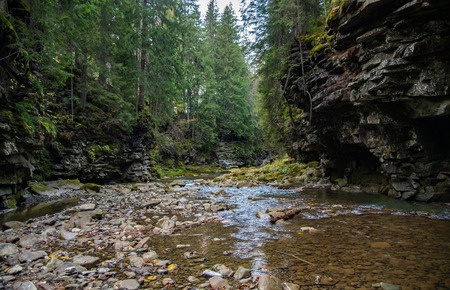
pixel 201 234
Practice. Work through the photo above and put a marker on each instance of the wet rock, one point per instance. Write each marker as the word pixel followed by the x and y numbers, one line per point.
pixel 87 207
pixel 14 270
pixel 69 268
pixel 12 225
pixel 179 183
pixel 149 256
pixel 7 249
pixel 244 184
pixel 242 273
pixel 135 261
pixel 290 286
pixel 29 241
pixel 29 256
pixel 218 283
pixel 73 287
pixel 87 261
pixel 142 243
pixel 223 270
pixel 309 230
pixel 166 223
pixel 53 264
pixel 193 280
pixel 128 284
pixel 269 282
pixel 168 281
pixel 24 285
pixel 66 235
pixel 218 207
pixel 7 278
pixel 191 255
pixel 210 273
pixel 151 203
pixel 262 215
pixel 389 286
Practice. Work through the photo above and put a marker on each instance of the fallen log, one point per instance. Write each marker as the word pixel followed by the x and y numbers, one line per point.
pixel 288 214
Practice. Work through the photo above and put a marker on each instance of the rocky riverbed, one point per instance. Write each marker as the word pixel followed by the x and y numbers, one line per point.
pixel 202 235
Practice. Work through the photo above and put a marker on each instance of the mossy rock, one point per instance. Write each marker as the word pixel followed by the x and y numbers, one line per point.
pixel 42 188
pixel 10 203
pixel 69 182
pixel 313 164
pixel 91 186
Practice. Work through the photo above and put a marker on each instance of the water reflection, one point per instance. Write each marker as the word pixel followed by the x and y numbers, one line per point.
pixel 24 213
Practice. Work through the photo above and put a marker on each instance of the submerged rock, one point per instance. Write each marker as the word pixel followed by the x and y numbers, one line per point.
pixel 269 282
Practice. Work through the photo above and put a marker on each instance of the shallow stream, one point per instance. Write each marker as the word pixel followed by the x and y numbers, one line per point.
pixel 362 240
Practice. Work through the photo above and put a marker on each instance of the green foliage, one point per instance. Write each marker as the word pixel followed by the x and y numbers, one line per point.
pixel 277 26
pixel 95 150
pixel 33 122
pixel 44 165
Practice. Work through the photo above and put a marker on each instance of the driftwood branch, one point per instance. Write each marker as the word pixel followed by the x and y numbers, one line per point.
pixel 287 215
pixel 293 256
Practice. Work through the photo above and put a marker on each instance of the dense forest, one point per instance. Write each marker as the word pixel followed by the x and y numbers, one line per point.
pixel 94 75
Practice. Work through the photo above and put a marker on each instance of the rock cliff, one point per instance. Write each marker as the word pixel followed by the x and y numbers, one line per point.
pixel 380 95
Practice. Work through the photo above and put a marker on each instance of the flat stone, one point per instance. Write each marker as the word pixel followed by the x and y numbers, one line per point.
pixel 87 261
pixel 218 283
pixel 69 268
pixel 29 241
pixel 73 287
pixel 14 270
pixel 135 261
pixel 87 206
pixel 13 225
pixel 128 284
pixel 24 285
pixel 7 249
pixel 151 203
pixel 29 256
pixel 68 236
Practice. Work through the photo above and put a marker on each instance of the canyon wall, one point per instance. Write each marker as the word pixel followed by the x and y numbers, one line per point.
pixel 380 98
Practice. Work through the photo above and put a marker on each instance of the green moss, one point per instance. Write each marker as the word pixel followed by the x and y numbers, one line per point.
pixel 186 171
pixel 11 203
pixel 91 186
pixel 41 187
pixel 68 182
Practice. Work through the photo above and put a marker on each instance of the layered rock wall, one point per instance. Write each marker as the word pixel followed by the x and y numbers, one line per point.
pixel 380 95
